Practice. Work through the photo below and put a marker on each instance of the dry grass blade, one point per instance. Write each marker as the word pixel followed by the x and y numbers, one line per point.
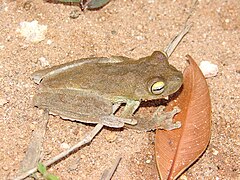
pixel 35 146
pixel 87 139
pixel 176 150
pixel 108 173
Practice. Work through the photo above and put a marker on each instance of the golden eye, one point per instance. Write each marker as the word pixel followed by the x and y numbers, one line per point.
pixel 158 87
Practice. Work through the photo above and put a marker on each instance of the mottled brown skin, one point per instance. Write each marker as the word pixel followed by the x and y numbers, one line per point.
pixel 86 89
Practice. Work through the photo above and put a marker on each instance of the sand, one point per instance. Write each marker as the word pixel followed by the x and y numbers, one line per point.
pixel 129 28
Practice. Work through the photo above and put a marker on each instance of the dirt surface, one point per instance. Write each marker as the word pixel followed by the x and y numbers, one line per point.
pixel 129 28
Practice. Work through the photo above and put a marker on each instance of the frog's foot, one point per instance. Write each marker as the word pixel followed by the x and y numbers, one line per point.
pixel 116 122
pixel 164 120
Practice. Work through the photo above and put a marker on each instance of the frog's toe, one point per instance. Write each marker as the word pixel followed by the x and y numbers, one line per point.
pixel 168 125
pixel 132 122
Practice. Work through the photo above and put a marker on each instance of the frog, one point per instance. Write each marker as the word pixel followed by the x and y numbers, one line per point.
pixel 91 90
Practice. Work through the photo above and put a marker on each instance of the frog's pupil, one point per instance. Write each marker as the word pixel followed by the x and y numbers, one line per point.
pixel 157 88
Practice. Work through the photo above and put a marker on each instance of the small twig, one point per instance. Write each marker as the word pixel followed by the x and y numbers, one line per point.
pixel 176 40
pixel 87 139
pixel 84 5
pixel 191 10
pixel 108 173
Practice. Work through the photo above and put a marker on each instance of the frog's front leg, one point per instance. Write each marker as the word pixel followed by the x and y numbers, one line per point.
pixel 164 120
pixel 130 107
pixel 115 107
pixel 126 115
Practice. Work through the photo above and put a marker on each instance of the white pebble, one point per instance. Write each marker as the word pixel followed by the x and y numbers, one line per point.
pixel 2 46
pixel 215 152
pixel 183 177
pixel 148 161
pixel 208 69
pixel 65 146
pixel 43 61
pixel 49 42
pixel 139 38
pixel 32 31
pixel 151 1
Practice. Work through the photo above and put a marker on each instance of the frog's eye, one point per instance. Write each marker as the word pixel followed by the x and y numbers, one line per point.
pixel 158 87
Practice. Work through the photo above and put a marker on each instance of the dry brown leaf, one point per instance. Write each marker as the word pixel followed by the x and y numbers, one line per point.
pixel 176 150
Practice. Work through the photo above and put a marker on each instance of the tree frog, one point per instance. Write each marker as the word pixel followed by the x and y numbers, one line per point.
pixel 90 90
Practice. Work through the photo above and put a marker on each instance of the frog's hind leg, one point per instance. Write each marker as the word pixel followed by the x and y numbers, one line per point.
pixel 86 109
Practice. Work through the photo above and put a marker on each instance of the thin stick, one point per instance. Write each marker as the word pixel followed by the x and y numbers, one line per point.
pixel 176 40
pixel 84 5
pixel 108 173
pixel 87 139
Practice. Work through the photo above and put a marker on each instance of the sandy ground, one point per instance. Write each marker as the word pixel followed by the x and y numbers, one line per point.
pixel 130 28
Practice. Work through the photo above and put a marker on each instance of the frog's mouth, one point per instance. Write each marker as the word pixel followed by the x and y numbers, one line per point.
pixel 155 98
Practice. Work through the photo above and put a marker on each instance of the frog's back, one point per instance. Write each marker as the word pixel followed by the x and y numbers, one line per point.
pixel 114 76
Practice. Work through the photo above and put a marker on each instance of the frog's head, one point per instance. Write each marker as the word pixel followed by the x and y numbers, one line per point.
pixel 160 78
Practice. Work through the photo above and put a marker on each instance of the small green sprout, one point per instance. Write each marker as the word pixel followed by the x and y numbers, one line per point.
pixel 43 170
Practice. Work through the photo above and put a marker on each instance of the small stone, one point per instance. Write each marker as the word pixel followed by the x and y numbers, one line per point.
pixel 151 1
pixel 43 61
pixel 3 101
pixel 28 5
pixel 227 20
pixel 65 146
pixel 2 46
pixel 21 136
pixel 76 131
pixel 74 14
pixel 114 32
pixel 215 152
pixel 139 27
pixel 82 156
pixel 5 168
pixel 49 42
pixel 208 69
pixel 111 137
pixel 32 127
pixel 32 31
pixel 148 161
pixel 183 177
pixel 139 38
